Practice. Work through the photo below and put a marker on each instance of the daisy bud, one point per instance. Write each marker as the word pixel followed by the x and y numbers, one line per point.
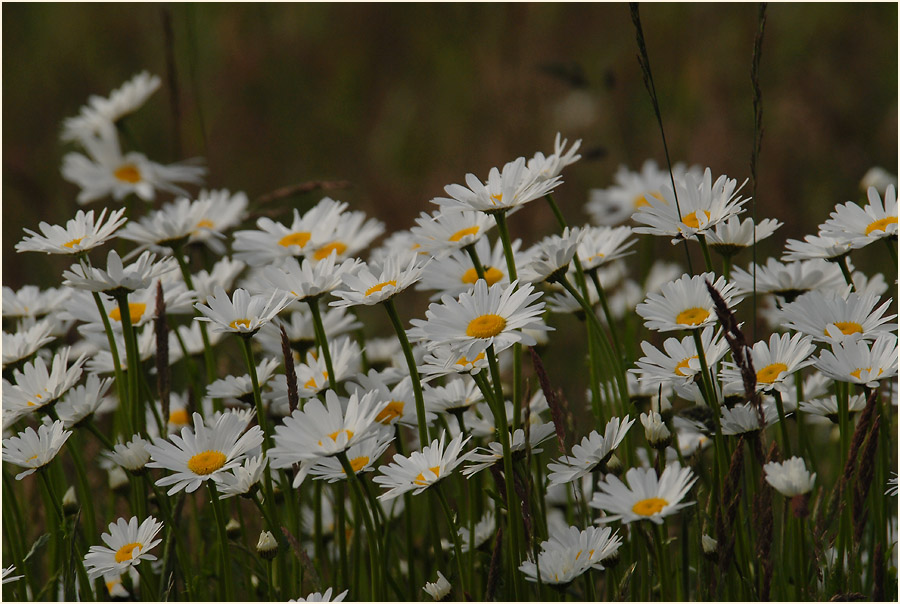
pixel 233 529
pixel 267 547
pixel 70 502
pixel 655 430
pixel 118 480
pixel 710 547
pixel 438 590
pixel 277 494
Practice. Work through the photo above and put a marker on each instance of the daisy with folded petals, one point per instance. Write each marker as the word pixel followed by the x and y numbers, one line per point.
pixel 504 190
pixel 594 451
pixel 790 478
pixel 824 247
pixel 549 258
pixel 486 457
pixel 37 387
pixel 832 318
pixel 82 401
pixel 861 226
pixel 443 231
pixel 204 452
pixel 828 407
pixel 678 362
pixel 79 235
pixel 570 553
pixel 774 362
pixel 117 276
pixel 240 386
pixel 744 418
pixel 307 282
pixel 732 235
pixel 488 316
pixel 126 99
pixel 685 303
pixel 421 469
pixel 858 363
pixel 132 455
pixel 241 313
pixel 601 245
pixel 323 597
pixel 373 284
pixel 553 164
pixel 788 280
pixel 243 479
pixel 127 545
pixel 438 590
pixel 701 205
pixel 21 345
pixel 646 496
pixel 34 450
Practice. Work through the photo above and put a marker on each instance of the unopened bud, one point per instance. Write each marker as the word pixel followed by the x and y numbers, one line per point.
pixel 267 547
pixel 233 529
pixel 614 466
pixel 710 547
pixel 70 502
pixel 655 430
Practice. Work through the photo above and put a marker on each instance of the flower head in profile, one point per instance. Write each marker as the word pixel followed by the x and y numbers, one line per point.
pixel 787 280
pixel 323 597
pixel 833 318
pixel 307 282
pixel 859 363
pixel 571 552
pixel 443 231
pixel 127 544
pixel 824 247
pixel 601 245
pixel 79 235
pixel 36 387
pixel 216 212
pixel 685 303
pixel 861 226
pixel 132 455
pixel 732 235
pixel 82 401
pixel 646 495
pixel 242 313
pixel 351 234
pixel 549 258
pixel 594 451
pixel 744 418
pixel 373 284
pixel 551 166
pixel 421 469
pixel 34 450
pixel 790 478
pixel 99 111
pixel 118 277
pixel 22 344
pixel 679 361
pixel 242 479
pixel 438 590
pixel 774 362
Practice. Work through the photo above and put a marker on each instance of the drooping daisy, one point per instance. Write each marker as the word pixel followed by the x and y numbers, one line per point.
pixel 828 407
pixel 22 344
pixel 240 386
pixel 731 236
pixel 351 234
pixel 504 190
pixel 488 316
pixel 37 387
pixel 858 363
pixel 82 401
pixel 646 496
pixel 592 453
pixel 861 226
pixel 701 202
pixel 484 458
pixel 307 281
pixel 678 362
pixel 790 478
pixel 203 453
pixel 126 99
pixel 438 590
pixel 421 469
pixel 549 258
pixel 744 418
pixel 79 235
pixel 443 231
pixel 788 280
pixel 34 450
pixel 117 277
pixel 816 246
pixel 132 455
pixel 833 318
pixel 685 303
pixel 241 313
pixel 553 164
pixel 601 245
pixel 455 273
pixel 323 597
pixel 373 284
pixel 242 479
pixel 362 457
pixel 128 544
pixel 773 362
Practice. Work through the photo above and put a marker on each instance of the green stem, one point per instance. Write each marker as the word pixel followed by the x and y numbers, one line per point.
pixel 606 312
pixel 779 404
pixel 223 540
pixel 121 389
pixel 454 535
pixel 86 494
pixel 257 397
pixel 131 351
pixel 341 532
pixel 424 436
pixel 371 533
pixel 476 262
pixel 842 264
pixel 703 246
pixel 322 340
pixel 93 429
pixel 556 212
pixel 503 229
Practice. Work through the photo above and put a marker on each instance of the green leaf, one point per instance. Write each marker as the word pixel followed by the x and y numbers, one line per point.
pixel 41 541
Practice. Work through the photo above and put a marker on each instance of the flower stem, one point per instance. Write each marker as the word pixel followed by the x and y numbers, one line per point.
pixel 842 264
pixel 503 229
pixel 223 540
pixel 454 536
pixel 371 534
pixel 322 340
pixel 257 397
pixel 779 404
pixel 703 246
pixel 424 436
pixel 131 351
pixel 121 388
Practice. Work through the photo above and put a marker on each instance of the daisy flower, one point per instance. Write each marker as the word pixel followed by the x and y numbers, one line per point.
pixel 132 455
pixel 816 246
pixel 484 530
pixel 594 451
pixel 493 453
pixel 173 224
pixel 678 362
pixel 351 234
pixel 362 457
pixel 21 345
pixel 790 478
pixel 82 401
pixel 701 202
pixel 307 282
pixel 488 316
pixel 438 590
pixel 9 571
pixel 443 231
pixel 126 99
pixel 442 360
pixel 504 190
pixel 242 479
pixel 601 245
pixel 217 211
pixel 241 313
pixel 646 497
pixel 878 177
pixel 32 302
pixel 141 308
pixel 240 386
pixel 457 395
pixel 549 258
pixel 401 406
pixel 857 363
pixel 301 331
pixel 34 450
pixel 223 274
pixel 128 544
pixel 832 318
pixel 106 171
pixel 37 387
pixel 552 165
pixel 273 241
pixel 421 469
pixel 774 362
pixel 731 236
pixel 892 486
pixel 685 303
pixel 117 277
pixel 79 235
pixel 744 418
pixel 203 453
pixel 861 226
pixel 323 597
pixel 828 407
pixel 312 377
pixel 788 280
pixel 455 273
pixel 571 552
pixel 372 284
pixel 655 430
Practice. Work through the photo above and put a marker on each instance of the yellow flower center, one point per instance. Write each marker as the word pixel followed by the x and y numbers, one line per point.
pixel 73 243
pixel 179 417
pixel 206 462
pixel 128 173
pixel 472 230
pixel 295 239
pixel 848 327
pixel 648 507
pixel 126 552
pixel 420 479
pixel 881 225
pixel 491 275
pixel 466 361
pixel 590 554
pixel 684 364
pixel 392 411
pixel 205 224
pixel 135 309
pixel 641 200
pixel 325 251
pixel 485 326
pixel 692 221
pixel 31 458
pixel 770 373
pixel 380 286
pixel 311 382
pixel 245 322
pixel 334 435
pixel 857 372
pixel 358 463
pixel 692 316
pixel 498 198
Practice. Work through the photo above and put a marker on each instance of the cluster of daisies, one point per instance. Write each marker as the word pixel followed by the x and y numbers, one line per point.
pixel 321 400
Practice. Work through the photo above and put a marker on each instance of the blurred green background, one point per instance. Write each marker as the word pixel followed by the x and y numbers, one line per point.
pixel 403 99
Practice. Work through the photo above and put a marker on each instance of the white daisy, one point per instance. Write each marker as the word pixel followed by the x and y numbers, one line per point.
pixel 495 316
pixel 141 308
pixel 239 386
pixel 34 450
pixel 372 284
pixel 307 281
pixel 312 377
pixel 493 453
pixel 442 360
pixel 601 245
pixel 401 406
pixel 438 590
pixel 422 468
pixel 549 258
pixel 9 571
pixel 731 236
pixel 128 544
pixel 503 191
pixel 242 479
pixel 680 363
pixel 702 204
pixel 126 99
pixel 31 301
pixel 484 530
pixel 828 407
pixel 362 457
pixel 301 331
pixel 443 231
pixel 655 430
pixel 832 318
pixel 138 275
pixel 685 303
pixel 132 455
pixel 82 401
pixel 22 344
pixel 454 273
pixel 647 497
pixel 878 177
pixel 217 211
pixel 37 387
pixel 351 234
pixel 815 246
pixel 203 453
pixel 241 313
pixel 79 235
pixel 861 226
pixel 594 451
pixel 744 418
pixel 788 280
pixel 172 224
pixel 892 486
pixel 774 362
pixel 857 363
pixel 323 597
pixel 553 164
pixel 457 395
pixel 571 552
pixel 790 478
